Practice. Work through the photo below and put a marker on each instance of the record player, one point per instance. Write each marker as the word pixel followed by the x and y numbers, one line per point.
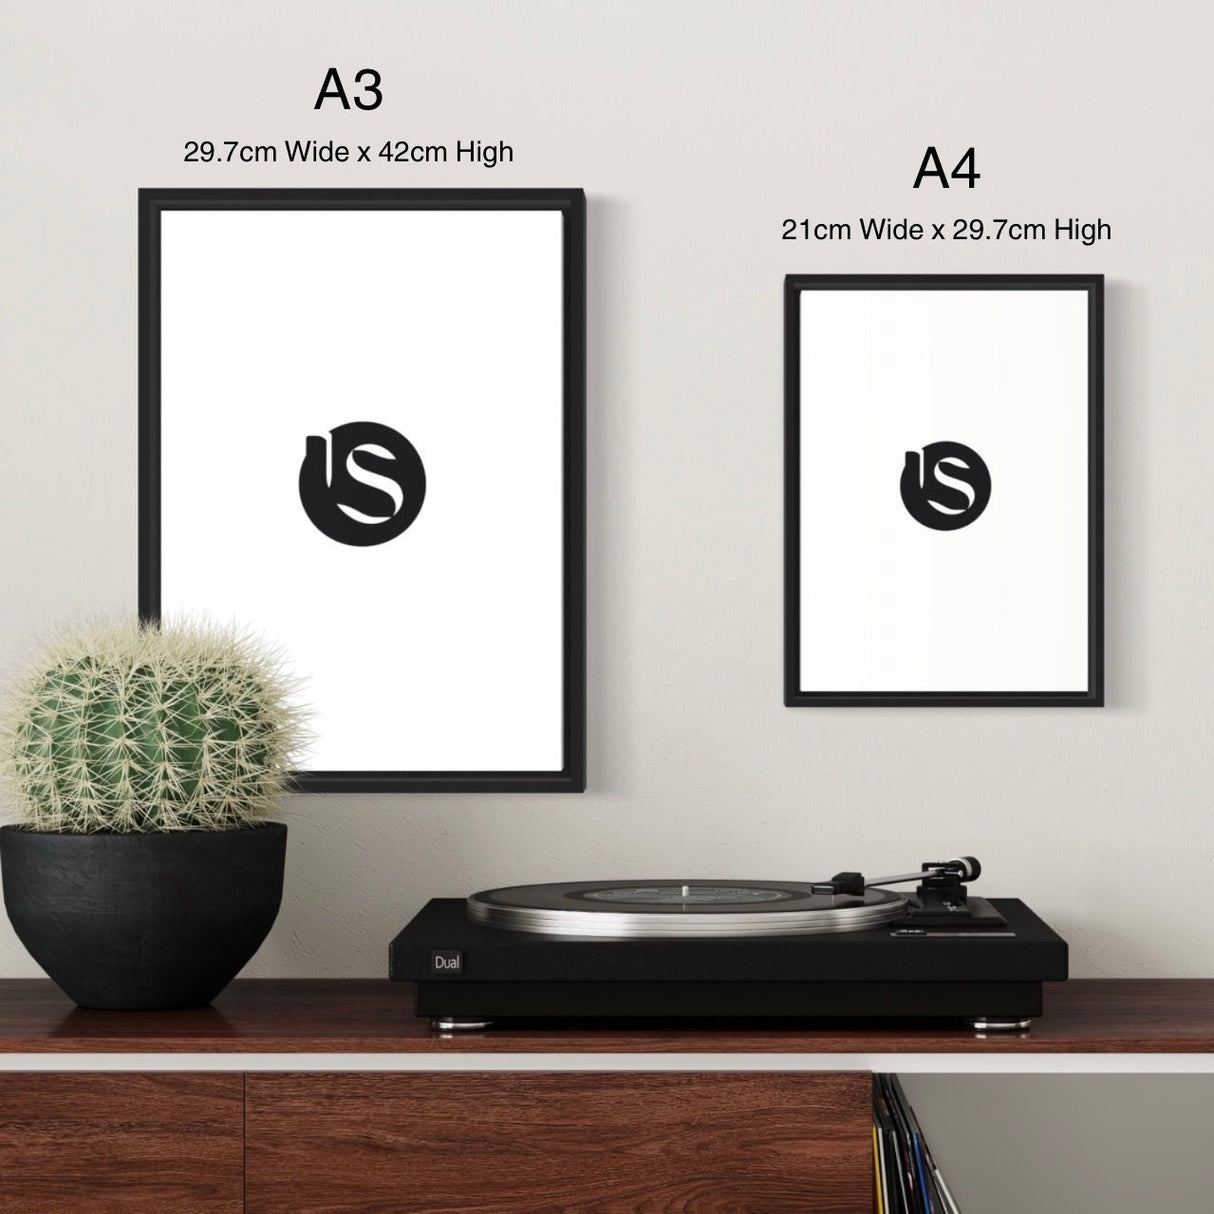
pixel 847 948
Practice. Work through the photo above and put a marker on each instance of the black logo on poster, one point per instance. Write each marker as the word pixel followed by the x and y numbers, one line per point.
pixel 946 487
pixel 363 485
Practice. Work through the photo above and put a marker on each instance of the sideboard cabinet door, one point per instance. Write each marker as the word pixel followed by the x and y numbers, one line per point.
pixel 121 1143
pixel 576 1142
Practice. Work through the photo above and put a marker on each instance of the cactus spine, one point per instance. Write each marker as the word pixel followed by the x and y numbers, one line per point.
pixel 130 728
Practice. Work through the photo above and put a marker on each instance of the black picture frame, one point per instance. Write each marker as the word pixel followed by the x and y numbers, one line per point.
pixel 571 205
pixel 795 695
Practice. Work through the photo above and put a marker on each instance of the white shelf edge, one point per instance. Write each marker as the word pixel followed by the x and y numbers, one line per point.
pixel 927 1064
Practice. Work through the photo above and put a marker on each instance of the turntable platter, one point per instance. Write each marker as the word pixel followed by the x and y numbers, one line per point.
pixel 622 910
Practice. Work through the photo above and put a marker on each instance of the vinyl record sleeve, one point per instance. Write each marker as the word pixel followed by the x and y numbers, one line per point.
pixel 902 1155
pixel 915 1202
pixel 895 1198
pixel 925 1177
pixel 877 1177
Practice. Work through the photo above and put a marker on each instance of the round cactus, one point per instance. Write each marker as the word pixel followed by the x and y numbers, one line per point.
pixel 132 728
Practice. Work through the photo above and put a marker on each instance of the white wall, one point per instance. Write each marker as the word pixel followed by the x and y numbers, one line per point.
pixel 695 128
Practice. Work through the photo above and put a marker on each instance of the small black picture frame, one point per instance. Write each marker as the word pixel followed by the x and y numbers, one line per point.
pixel 290 314
pixel 891 596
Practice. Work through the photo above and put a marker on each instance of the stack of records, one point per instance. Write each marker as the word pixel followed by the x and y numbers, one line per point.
pixel 908 1180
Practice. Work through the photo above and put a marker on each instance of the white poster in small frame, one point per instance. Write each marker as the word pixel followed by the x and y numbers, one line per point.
pixel 362 434
pixel 944 490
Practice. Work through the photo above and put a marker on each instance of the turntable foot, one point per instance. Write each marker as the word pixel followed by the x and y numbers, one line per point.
pixel 985 1024
pixel 453 1024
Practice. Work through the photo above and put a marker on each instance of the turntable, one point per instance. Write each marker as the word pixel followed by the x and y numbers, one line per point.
pixel 846 948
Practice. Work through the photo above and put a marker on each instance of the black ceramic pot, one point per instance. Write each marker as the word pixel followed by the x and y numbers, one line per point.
pixel 143 920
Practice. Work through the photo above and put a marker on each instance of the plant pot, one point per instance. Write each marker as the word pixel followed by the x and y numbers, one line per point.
pixel 143 920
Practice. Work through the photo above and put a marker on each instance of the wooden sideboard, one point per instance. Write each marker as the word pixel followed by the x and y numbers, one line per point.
pixel 290 1097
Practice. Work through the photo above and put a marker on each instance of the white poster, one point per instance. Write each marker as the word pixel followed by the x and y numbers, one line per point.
pixel 366 413
pixel 944 495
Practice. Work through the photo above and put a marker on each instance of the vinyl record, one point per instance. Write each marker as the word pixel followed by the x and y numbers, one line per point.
pixel 679 909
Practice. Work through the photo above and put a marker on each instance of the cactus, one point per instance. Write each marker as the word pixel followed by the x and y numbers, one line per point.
pixel 134 728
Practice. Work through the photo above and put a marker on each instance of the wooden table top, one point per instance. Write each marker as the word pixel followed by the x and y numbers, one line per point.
pixel 376 1016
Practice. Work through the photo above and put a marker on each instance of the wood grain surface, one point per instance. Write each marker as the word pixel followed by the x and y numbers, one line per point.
pixel 121 1144
pixel 579 1143
pixel 368 1016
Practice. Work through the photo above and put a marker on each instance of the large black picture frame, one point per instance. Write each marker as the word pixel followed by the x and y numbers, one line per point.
pixel 797 695
pixel 154 204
